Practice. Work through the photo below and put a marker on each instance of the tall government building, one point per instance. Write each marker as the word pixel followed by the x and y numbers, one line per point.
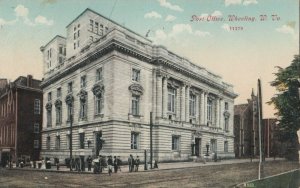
pixel 110 78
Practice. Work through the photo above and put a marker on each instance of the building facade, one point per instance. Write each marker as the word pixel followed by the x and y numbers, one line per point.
pixel 109 81
pixel 20 119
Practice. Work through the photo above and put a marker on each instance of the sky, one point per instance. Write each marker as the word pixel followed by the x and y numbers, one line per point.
pixel 240 40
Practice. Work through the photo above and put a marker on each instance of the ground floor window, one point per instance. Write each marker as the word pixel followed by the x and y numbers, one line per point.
pixel 226 146
pixel 57 142
pixel 36 144
pixel 175 142
pixel 48 142
pixel 213 144
pixel 81 140
pixel 134 140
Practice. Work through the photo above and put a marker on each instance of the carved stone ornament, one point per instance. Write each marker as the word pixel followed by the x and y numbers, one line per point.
pixel 226 114
pixel 57 103
pixel 82 95
pixel 69 99
pixel 136 89
pixel 48 106
pixel 98 89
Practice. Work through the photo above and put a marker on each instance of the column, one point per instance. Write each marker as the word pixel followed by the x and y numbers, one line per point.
pixel 154 93
pixel 182 103
pixel 205 108
pixel 165 97
pixel 187 104
pixel 217 112
pixel 197 109
pixel 159 95
pixel 221 114
pixel 202 109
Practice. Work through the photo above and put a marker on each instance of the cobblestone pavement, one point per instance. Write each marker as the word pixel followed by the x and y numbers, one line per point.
pixel 219 174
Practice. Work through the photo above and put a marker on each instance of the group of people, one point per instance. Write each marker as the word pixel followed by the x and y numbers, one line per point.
pixel 101 162
pixel 133 163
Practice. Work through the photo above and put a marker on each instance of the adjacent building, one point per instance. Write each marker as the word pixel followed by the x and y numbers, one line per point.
pixel 20 119
pixel 105 79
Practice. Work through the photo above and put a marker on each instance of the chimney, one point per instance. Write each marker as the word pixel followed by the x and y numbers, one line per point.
pixel 29 80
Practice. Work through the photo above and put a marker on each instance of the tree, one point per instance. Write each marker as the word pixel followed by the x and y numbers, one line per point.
pixel 287 104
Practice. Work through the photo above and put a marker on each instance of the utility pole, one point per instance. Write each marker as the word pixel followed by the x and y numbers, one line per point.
pixel 259 107
pixel 71 126
pixel 151 145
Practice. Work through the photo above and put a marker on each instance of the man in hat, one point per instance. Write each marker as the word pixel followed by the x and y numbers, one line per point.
pixel 109 164
pixel 137 163
pixel 89 162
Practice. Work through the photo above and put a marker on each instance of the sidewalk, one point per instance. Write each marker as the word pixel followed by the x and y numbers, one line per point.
pixel 161 166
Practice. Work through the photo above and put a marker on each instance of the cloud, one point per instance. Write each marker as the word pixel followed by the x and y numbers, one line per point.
pixel 43 20
pixel 248 2
pixel 226 27
pixel 232 2
pixel 178 29
pixel 238 2
pixel 168 5
pixel 286 29
pixel 4 22
pixel 21 11
pixel 152 14
pixel 217 13
pixel 170 18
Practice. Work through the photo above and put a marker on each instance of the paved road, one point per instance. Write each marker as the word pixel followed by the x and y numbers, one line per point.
pixel 224 175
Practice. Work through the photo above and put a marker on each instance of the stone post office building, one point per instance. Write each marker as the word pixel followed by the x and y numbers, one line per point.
pixel 110 78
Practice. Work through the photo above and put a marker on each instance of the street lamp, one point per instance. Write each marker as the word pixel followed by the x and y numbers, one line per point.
pixel 207 148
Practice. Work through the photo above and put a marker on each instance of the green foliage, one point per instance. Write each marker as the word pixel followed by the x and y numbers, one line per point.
pixel 287 100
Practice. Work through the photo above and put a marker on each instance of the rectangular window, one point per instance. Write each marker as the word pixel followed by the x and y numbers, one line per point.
pixel 36 144
pixel 49 118
pixel 58 92
pixel 134 140
pixel 78 43
pixel 96 27
pixel 37 106
pixel 171 99
pixel 68 141
pixel 226 105
pixel 60 50
pixel 192 105
pixel 209 110
pixel 50 52
pixel 226 121
pixel 99 74
pixel 57 142
pixel 135 105
pixel 101 30
pixel 81 140
pixel 78 33
pixel 49 96
pixel 60 60
pixel 36 128
pixel 83 81
pixel 48 142
pixel 83 109
pixel 213 145
pixel 226 146
pixel 92 25
pixel 70 112
pixel 70 87
pixel 74 35
pixel 58 115
pixel 135 75
pixel 74 45
pixel 99 104
pixel 175 142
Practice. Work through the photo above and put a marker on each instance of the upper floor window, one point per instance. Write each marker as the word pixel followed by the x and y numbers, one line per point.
pixel 99 74
pixel 70 87
pixel 37 106
pixel 135 75
pixel 99 103
pixel 83 109
pixel 58 92
pixel 36 144
pixel 60 60
pixel 58 115
pixel 226 122
pixel 74 45
pixel 78 33
pixel 96 27
pixel 49 96
pixel 135 105
pixel 209 110
pixel 60 49
pixel 83 81
pixel 226 106
pixel 101 30
pixel 36 128
pixel 134 144
pixel 171 99
pixel 192 105
pixel 91 25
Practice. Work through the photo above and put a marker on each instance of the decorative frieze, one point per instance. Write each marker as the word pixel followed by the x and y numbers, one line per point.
pixel 136 89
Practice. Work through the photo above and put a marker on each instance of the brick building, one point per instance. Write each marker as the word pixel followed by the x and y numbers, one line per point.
pixel 20 118
pixel 110 79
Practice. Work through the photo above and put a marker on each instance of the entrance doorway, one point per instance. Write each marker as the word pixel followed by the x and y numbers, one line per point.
pixel 197 147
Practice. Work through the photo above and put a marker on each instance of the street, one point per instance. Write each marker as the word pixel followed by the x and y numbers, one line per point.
pixel 225 175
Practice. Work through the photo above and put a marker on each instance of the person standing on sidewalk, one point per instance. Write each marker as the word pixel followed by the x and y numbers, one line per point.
pixel 89 162
pixel 109 164
pixel 130 162
pixel 115 164
pixel 137 163
pixel 119 163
